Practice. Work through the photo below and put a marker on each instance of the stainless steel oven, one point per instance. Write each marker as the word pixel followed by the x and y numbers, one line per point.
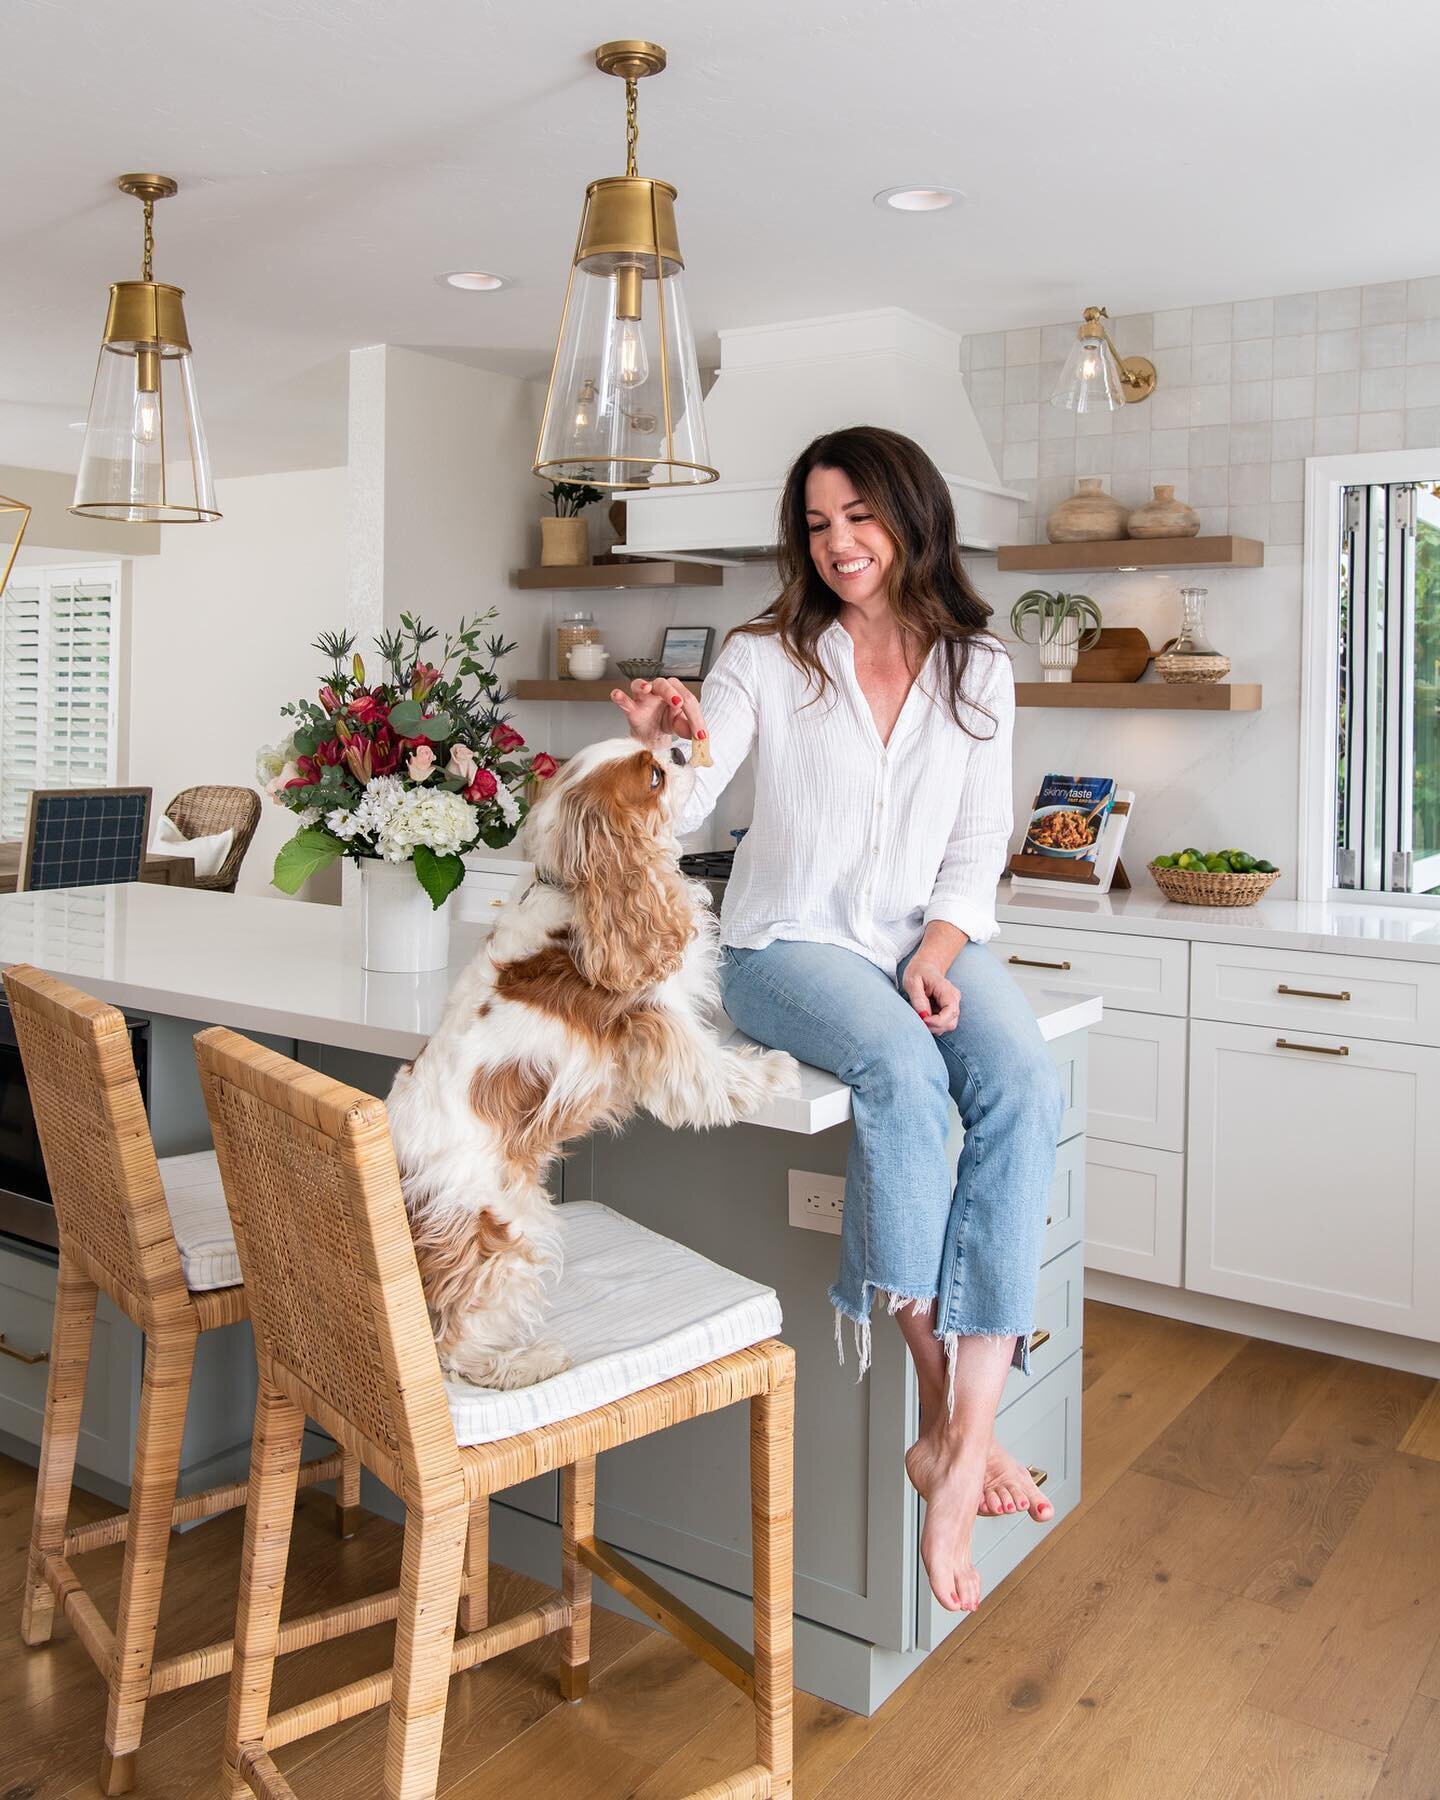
pixel 26 1210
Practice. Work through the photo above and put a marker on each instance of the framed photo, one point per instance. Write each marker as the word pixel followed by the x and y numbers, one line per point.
pixel 685 653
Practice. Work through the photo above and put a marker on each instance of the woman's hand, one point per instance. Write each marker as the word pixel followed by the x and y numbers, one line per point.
pixel 934 996
pixel 658 710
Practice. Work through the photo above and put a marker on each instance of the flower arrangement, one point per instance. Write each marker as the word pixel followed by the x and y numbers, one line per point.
pixel 411 768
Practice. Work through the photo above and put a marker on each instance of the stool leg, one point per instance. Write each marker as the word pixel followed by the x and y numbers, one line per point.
pixel 475 1602
pixel 431 1571
pixel 577 1520
pixel 772 1455
pixel 269 1516
pixel 347 1498
pixel 64 1396
pixel 164 1394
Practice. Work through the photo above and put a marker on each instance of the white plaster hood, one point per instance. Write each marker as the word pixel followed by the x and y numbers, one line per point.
pixel 781 385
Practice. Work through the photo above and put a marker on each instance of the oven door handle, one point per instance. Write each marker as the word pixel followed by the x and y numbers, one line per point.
pixel 23 1356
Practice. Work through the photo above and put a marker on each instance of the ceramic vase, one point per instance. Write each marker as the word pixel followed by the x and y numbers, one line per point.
pixel 1058 655
pixel 1090 515
pixel 401 933
pixel 1163 517
pixel 564 543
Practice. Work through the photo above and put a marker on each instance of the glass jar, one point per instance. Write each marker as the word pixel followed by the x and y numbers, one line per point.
pixel 1192 640
pixel 577 627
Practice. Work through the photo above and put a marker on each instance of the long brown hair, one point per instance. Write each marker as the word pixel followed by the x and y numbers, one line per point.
pixel 930 593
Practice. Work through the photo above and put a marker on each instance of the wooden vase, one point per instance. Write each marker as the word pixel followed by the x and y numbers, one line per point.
pixel 1090 515
pixel 1163 517
pixel 564 543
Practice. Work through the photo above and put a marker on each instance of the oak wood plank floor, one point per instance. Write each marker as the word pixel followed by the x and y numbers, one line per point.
pixel 1246 1604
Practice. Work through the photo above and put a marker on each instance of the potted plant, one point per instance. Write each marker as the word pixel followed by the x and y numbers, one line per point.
pixel 1066 623
pixel 402 775
pixel 565 538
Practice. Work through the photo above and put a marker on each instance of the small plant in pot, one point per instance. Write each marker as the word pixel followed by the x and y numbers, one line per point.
pixel 1065 625
pixel 565 537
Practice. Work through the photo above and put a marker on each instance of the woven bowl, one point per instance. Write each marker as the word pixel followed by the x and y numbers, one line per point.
pixel 639 668
pixel 1181 670
pixel 1203 887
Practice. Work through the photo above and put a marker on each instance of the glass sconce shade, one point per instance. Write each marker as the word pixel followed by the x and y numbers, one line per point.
pixel 623 408
pixel 1090 380
pixel 145 458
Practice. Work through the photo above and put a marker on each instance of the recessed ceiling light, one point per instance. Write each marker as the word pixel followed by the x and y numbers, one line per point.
pixel 78 424
pixel 919 199
pixel 473 281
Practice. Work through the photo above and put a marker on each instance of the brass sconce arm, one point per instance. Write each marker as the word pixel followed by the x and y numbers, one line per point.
pixel 1137 373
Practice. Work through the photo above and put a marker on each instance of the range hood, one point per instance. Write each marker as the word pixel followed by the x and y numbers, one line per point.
pixel 781 385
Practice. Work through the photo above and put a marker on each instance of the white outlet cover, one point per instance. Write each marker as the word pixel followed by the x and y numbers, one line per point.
pixel 817 1202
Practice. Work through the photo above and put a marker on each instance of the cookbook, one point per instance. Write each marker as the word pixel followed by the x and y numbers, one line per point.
pixel 1073 834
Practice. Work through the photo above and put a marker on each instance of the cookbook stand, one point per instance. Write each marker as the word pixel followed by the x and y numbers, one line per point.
pixel 1077 874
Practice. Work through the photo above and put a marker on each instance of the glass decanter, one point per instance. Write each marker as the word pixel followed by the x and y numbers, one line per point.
pixel 1192 640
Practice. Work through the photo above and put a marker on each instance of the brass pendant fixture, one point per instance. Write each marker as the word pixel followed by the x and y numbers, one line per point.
pixel 18 514
pixel 1096 378
pixel 623 406
pixel 144 458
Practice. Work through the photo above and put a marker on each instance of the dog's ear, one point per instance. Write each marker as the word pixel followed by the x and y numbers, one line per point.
pixel 632 910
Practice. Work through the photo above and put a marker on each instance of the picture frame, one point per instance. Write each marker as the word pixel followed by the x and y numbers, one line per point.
pixel 685 651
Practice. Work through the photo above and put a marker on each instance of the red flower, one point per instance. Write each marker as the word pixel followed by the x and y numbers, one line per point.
pixel 368 710
pixel 329 699
pixel 483 786
pixel 505 737
pixel 386 751
pixel 331 751
pixel 544 766
pixel 357 758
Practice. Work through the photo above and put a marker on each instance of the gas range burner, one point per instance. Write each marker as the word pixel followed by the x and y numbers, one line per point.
pixel 708 865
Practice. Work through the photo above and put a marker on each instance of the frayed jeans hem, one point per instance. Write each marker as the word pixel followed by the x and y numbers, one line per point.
pixel 897 1301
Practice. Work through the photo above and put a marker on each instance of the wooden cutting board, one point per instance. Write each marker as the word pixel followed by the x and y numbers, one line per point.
pixel 1121 654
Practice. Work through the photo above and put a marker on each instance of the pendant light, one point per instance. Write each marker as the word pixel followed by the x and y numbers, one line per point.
pixel 144 458
pixel 1096 378
pixel 17 513
pixel 623 406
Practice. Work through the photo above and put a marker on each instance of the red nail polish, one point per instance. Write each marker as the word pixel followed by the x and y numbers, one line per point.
pixel 702 734
pixel 674 699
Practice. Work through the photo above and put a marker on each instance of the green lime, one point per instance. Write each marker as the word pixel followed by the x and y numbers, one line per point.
pixel 1264 868
pixel 1241 862
pixel 1164 862
pixel 1217 865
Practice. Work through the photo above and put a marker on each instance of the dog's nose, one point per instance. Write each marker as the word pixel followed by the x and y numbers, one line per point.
pixel 676 757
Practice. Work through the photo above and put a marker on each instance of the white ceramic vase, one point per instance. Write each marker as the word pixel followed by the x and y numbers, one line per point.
pixel 401 933
pixel 1059 655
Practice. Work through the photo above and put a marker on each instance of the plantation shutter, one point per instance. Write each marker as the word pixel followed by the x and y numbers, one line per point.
pixel 21 625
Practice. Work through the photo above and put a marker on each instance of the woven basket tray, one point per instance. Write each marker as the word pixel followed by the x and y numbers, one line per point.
pixel 1202 887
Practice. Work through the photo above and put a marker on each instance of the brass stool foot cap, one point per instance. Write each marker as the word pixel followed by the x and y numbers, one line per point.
pixel 347 1520
pixel 117 1773
pixel 575 1682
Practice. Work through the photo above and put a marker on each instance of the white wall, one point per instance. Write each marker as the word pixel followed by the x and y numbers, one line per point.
pixel 221 624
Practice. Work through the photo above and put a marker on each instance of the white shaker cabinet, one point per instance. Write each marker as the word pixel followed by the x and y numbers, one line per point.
pixel 1313 1173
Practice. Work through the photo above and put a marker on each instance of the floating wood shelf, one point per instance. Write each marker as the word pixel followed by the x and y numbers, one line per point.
pixel 1133 553
pixel 615 576
pixel 1142 696
pixel 1138 696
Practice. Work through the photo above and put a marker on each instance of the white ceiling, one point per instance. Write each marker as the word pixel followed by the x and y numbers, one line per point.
pixel 334 155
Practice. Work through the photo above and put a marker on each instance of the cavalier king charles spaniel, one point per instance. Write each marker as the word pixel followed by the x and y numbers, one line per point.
pixel 591 999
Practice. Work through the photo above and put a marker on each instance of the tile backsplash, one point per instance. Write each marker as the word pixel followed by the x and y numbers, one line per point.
pixel 1246 391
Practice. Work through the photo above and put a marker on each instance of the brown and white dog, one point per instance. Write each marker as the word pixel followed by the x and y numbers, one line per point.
pixel 591 999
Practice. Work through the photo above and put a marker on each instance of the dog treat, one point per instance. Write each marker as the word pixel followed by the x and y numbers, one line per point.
pixel 700 753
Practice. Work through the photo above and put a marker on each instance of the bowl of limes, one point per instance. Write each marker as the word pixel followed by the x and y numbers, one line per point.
pixel 1214 878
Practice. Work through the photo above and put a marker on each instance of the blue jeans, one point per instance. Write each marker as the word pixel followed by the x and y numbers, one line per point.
pixel 911 1232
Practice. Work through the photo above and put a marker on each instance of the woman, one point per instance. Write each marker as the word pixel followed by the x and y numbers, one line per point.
pixel 880 712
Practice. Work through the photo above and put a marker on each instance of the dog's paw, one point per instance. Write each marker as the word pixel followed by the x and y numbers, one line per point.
pixel 760 1076
pixel 782 1072
pixel 506 1369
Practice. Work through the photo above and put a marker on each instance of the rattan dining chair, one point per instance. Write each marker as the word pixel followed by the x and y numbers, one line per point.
pixel 343 1336
pixel 154 1236
pixel 202 811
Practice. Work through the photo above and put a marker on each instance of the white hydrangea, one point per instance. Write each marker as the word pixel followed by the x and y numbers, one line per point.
pixel 271 760
pixel 395 819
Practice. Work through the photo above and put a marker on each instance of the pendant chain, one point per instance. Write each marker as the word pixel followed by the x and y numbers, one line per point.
pixel 632 124
pixel 146 268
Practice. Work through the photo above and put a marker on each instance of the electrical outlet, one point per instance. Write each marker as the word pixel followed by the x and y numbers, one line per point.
pixel 817 1202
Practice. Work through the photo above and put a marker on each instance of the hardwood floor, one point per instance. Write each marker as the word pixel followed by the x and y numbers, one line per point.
pixel 1247 1604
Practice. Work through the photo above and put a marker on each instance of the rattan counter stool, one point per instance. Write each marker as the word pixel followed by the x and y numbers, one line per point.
pixel 156 1238
pixel 343 1336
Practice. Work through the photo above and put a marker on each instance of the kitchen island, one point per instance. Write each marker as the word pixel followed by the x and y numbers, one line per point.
pixel 678 1504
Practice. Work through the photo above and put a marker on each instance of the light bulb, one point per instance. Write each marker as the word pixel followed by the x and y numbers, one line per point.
pixel 585 407
pixel 1091 366
pixel 145 419
pixel 632 364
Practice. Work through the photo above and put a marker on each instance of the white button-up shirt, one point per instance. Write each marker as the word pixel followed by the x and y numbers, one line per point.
pixel 852 841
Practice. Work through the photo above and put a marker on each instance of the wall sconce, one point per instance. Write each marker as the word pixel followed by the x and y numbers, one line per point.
pixel 1096 378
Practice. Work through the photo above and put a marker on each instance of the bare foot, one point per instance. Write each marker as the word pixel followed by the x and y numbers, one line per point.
pixel 921 1464
pixel 951 1506
pixel 1010 1487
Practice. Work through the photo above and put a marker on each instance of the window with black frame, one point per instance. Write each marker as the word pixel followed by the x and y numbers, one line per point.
pixel 1387 746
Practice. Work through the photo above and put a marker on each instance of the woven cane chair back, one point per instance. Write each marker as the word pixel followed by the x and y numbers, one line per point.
pixel 340 1321
pixel 202 811
pixel 104 1180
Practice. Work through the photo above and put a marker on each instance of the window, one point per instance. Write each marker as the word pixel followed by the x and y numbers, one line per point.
pixel 1387 689
pixel 58 643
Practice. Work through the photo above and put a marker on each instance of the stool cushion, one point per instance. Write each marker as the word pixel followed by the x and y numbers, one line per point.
pixel 201 1220
pixel 631 1309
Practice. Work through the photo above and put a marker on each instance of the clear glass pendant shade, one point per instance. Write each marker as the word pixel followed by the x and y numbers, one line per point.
pixel 1090 380
pixel 624 408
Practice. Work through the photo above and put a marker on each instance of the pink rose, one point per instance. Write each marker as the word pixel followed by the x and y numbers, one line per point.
pixel 421 763
pixel 483 786
pixel 462 762
pixel 543 766
pixel 276 788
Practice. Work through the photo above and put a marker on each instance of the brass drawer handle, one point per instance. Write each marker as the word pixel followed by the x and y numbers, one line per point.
pixel 1039 1339
pixel 1311 993
pixel 1030 962
pixel 1319 1049
pixel 497 902
pixel 1039 1476
pixel 22 1356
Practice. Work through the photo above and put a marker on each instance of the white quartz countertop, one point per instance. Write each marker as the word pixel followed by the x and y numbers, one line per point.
pixel 1350 928
pixel 293 969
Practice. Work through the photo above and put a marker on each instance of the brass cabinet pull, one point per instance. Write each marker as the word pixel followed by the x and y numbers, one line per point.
pixel 1030 962
pixel 497 902
pixel 1311 993
pixel 22 1356
pixel 1039 1476
pixel 1038 1339
pixel 1319 1049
